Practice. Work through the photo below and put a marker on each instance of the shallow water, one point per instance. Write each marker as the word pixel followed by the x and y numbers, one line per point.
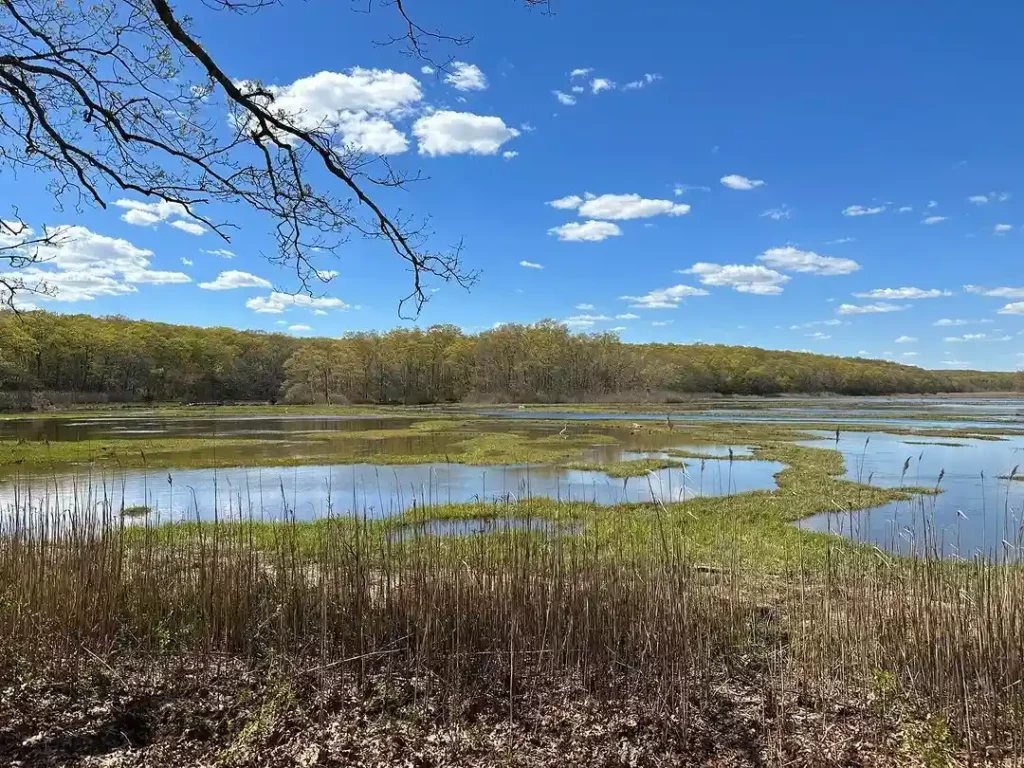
pixel 769 415
pixel 58 429
pixel 375 491
pixel 975 513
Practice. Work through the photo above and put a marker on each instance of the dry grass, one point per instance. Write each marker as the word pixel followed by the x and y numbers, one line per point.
pixel 932 651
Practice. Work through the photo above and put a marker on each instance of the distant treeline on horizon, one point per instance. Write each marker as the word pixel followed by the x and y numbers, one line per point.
pixel 81 358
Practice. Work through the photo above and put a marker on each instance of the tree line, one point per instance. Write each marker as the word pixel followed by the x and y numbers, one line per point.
pixel 82 358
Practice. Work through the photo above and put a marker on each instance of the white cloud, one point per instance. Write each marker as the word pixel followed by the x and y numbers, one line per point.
pixel 578 89
pixel 978 199
pixel 528 127
pixel 933 204
pixel 564 98
pixel 742 183
pixel 664 298
pixel 508 154
pixel 599 84
pixel 840 240
pixel 530 265
pixel 868 309
pixel 627 316
pixel 777 214
pixel 1000 293
pixel 584 321
pixel 947 322
pixel 186 262
pixel 910 354
pixel 466 77
pixel 299 328
pixel 660 323
pixel 1016 308
pixel 620 207
pixel 588 231
pixel 956 363
pixel 277 302
pixel 906 340
pixel 224 253
pixel 647 79
pixel 426 69
pixel 192 227
pixel 744 278
pixel 618 329
pixel 358 106
pixel 80 265
pixel 581 72
pixel 318 312
pixel 860 210
pixel 584 307
pixel 461 133
pixel 933 219
pixel 967 337
pixel 813 323
pixel 902 294
pixel 326 274
pixel 905 209
pixel 794 260
pixel 681 189
pixel 227 281
pixel 1002 229
pixel 142 214
pixel 567 203
pixel 818 336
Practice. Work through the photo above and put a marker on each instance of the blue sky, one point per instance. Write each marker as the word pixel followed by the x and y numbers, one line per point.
pixel 824 177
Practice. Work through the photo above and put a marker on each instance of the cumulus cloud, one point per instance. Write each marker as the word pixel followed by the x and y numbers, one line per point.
pixel 81 265
pixel 861 210
pixel 901 294
pixel 742 183
pixel 530 265
pixel 664 298
pixel 1016 308
pixel 192 227
pixel 581 72
pixel 564 98
pixel 567 203
pixel 142 214
pixel 466 77
pixel 508 154
pixel 660 323
pixel 1002 229
pixel 277 303
pixel 186 262
pixel 627 316
pixel 744 278
pixel 461 133
pixel 869 309
pixel 978 199
pixel 906 340
pixel 584 307
pixel 630 206
pixel 905 209
pixel 933 220
pixel 231 279
pixel 1000 293
pixel 589 231
pixel 813 323
pixel 933 204
pixel 818 336
pixel 299 328
pixel 599 84
pixel 794 260
pixel 223 253
pixel 358 105
pixel 426 69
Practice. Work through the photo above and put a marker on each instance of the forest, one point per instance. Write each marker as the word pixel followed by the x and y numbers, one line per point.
pixel 48 358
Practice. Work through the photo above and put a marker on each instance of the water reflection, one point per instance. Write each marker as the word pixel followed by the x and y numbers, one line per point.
pixel 975 513
pixel 375 491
